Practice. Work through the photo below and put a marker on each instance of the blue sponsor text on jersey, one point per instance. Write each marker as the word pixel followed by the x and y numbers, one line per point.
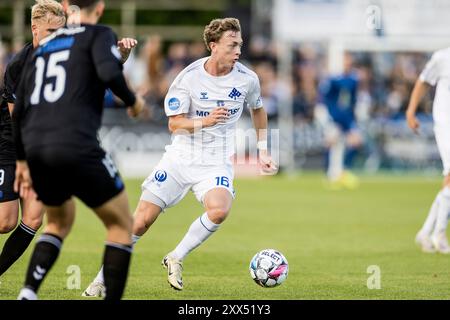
pixel 201 113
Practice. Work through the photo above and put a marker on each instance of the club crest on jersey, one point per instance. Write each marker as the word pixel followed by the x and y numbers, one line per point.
pixel 234 94
pixel 203 95
pixel 161 176
pixel 174 104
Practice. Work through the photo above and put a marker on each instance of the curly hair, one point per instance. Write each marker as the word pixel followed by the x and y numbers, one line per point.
pixel 217 27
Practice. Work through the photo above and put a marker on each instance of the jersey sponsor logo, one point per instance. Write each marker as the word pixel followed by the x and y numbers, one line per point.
pixel 161 176
pixel 232 112
pixel 234 94
pixel 174 104
pixel 220 103
pixel 203 95
pixel 202 113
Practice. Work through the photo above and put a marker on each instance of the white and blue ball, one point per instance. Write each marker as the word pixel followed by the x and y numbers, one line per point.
pixel 269 268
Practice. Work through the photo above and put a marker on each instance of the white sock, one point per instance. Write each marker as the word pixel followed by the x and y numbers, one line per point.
pixel 99 278
pixel 442 212
pixel 200 230
pixel 336 160
pixel 429 223
pixel 27 294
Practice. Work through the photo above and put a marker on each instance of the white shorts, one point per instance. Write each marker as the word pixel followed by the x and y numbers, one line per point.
pixel 172 179
pixel 442 135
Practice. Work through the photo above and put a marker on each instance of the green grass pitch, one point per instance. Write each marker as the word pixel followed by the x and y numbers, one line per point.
pixel 330 238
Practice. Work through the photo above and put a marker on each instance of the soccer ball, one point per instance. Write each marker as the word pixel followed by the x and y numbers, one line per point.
pixel 269 268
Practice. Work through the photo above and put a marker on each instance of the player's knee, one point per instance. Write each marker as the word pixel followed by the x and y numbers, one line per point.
pixel 7 225
pixel 218 214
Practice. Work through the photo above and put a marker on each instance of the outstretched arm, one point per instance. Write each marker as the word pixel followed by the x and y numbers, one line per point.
pixel 259 117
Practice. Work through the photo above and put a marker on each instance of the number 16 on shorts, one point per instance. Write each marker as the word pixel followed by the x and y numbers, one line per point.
pixel 223 181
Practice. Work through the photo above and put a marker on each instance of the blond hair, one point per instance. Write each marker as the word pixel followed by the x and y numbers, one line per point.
pixel 217 27
pixel 46 10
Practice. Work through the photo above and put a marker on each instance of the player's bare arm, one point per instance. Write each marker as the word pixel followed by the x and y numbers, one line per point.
pixel 419 91
pixel 181 122
pixel 259 117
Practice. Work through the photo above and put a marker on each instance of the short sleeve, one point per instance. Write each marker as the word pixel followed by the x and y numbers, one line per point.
pixel 253 99
pixel 430 73
pixel 178 99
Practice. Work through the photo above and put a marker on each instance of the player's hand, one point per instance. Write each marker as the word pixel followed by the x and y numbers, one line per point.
pixel 139 106
pixel 413 123
pixel 22 182
pixel 125 46
pixel 218 115
pixel 268 166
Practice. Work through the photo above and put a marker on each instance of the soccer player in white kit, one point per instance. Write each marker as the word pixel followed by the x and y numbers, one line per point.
pixel 203 105
pixel 432 236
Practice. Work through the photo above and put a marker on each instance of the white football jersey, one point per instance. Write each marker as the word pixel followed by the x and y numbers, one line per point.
pixel 437 73
pixel 197 93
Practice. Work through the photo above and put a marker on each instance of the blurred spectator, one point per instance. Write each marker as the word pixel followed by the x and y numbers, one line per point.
pixel 196 51
pixel 270 88
pixel 305 96
pixel 261 50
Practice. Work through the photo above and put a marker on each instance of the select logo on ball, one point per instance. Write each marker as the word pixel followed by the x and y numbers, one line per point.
pixel 269 268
